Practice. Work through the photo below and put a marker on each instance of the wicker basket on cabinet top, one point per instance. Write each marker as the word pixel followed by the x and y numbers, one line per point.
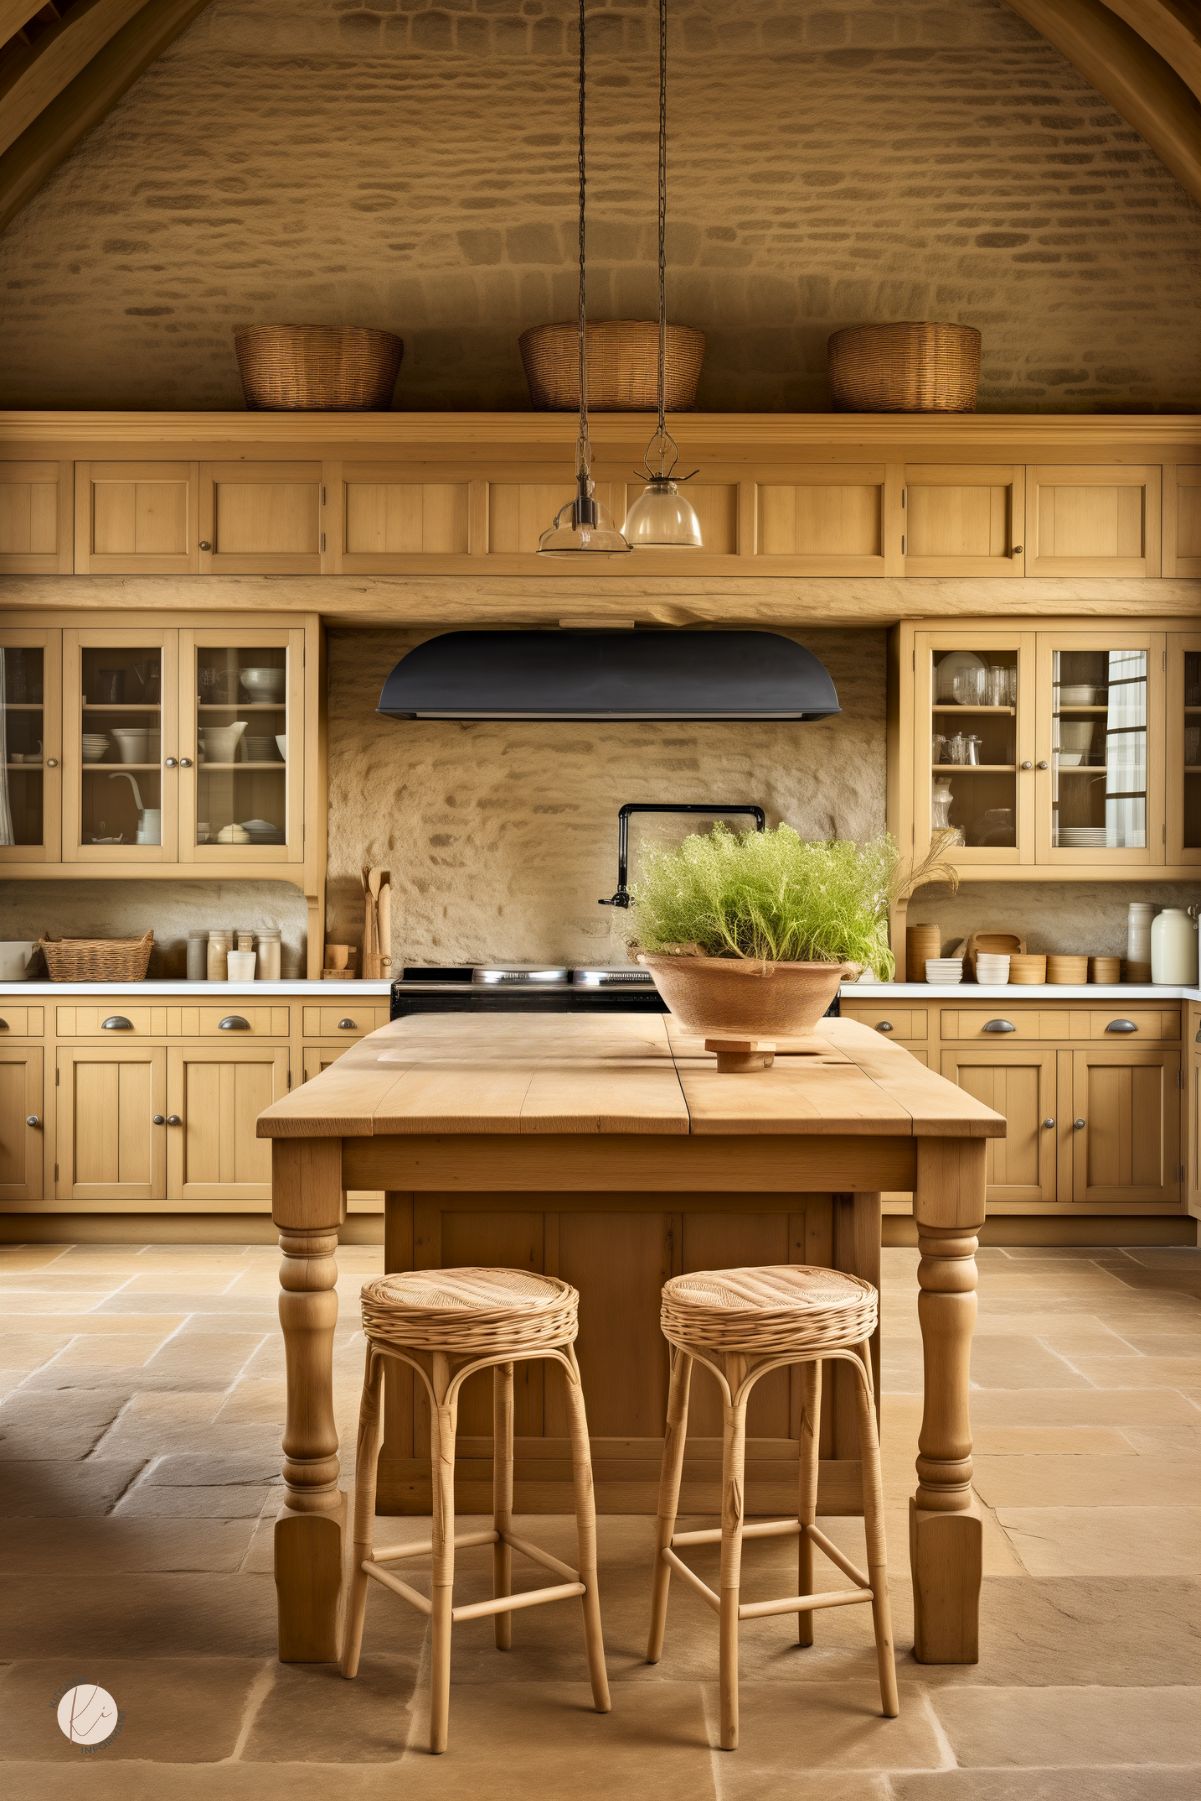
pixel 905 368
pixel 318 368
pixel 97 959
pixel 623 366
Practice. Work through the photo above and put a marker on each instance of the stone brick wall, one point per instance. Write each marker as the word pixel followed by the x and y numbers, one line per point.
pixel 392 162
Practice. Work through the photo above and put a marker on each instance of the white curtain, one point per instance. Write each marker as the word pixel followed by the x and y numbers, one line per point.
pixel 6 818
pixel 1126 751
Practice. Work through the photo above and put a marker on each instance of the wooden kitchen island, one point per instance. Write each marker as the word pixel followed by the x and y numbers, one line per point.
pixel 610 1151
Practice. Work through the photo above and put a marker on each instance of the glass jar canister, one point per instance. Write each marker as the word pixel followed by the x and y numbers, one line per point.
pixel 197 954
pixel 269 956
pixel 218 956
pixel 1138 941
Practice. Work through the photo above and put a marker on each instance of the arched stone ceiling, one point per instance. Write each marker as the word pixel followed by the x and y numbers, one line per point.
pixel 65 63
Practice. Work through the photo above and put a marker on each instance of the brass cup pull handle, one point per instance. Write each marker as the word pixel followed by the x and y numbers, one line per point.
pixel 116 1022
pixel 173 1119
pixel 348 1025
pixel 1079 1124
pixel 3 1025
pixel 1122 1026
pixel 1048 1124
pixel 233 1022
pixel 1000 1025
pixel 884 1025
pixel 158 1119
pixel 31 1119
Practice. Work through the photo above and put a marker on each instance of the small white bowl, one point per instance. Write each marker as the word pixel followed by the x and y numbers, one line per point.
pixel 263 684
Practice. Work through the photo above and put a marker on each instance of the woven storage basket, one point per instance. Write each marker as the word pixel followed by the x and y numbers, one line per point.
pixel 623 366
pixel 905 368
pixel 97 959
pixel 318 368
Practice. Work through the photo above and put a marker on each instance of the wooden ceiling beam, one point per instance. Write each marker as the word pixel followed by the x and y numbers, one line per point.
pixel 1172 28
pixel 40 72
pixel 1128 73
pixel 95 90
pixel 15 15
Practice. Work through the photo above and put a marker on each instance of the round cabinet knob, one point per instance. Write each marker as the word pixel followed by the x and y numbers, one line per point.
pixel 173 1119
pixel 1048 1125
pixel 170 763
pixel 31 1119
pixel 1079 1124
pixel 158 1119
pixel 185 762
pixel 1018 549
pixel 350 1025
pixel 1043 764
pixel 52 762
pixel 1027 764
pixel 205 544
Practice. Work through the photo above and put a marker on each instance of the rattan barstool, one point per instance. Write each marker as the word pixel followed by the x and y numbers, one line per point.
pixel 741 1323
pixel 447 1324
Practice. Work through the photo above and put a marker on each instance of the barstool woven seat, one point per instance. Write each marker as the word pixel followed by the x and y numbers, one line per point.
pixel 446 1324
pixel 739 1324
pixel 783 1307
pixel 470 1310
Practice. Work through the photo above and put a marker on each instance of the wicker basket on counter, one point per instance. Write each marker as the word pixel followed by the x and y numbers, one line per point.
pixel 97 959
pixel 905 368
pixel 318 368
pixel 623 366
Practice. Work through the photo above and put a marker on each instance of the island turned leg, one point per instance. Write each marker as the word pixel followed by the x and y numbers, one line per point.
pixel 945 1524
pixel 308 1206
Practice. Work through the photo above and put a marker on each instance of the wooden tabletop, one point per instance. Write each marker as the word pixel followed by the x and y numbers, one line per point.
pixel 625 1073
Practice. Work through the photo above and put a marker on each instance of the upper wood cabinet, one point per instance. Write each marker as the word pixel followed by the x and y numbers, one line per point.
pixel 1182 519
pixel 35 518
pixel 1184 747
pixel 136 518
pixel 31 744
pixel 964 519
pixel 1092 520
pixel 261 519
pixel 389 512
pixel 831 519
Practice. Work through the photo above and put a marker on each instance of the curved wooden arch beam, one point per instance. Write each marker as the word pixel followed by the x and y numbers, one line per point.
pixel 1124 69
pixel 1171 27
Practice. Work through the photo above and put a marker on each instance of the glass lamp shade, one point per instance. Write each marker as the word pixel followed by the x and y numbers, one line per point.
pixel 582 526
pixel 662 519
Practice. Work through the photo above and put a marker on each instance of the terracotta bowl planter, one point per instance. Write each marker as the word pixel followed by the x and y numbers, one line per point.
pixel 732 998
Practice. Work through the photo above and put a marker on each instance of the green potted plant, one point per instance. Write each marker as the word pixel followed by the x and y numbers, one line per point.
pixel 748 935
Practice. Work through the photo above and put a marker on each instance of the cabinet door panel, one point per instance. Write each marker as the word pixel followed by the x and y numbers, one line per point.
pixel 1021 1085
pixel 21 1144
pixel 109 1148
pixel 261 518
pixel 824 521
pixel 1128 1146
pixel 1183 769
pixel 31 744
pixel 120 726
pixel 1182 520
pixel 136 519
pixel 964 519
pixel 218 1092
pixel 519 512
pixel 35 519
pixel 390 515
pixel 1092 521
pixel 974 684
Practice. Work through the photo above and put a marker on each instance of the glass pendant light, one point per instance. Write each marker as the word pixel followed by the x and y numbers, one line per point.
pixel 582 525
pixel 662 518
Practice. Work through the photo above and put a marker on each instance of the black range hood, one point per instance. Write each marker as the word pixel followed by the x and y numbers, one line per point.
pixel 569 674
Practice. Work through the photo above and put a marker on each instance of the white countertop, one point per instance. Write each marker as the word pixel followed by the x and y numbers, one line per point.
pixel 197 991
pixel 852 991
pixel 1015 991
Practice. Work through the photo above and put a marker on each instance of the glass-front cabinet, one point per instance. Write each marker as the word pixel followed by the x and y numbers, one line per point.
pixel 1184 747
pixel 30 746
pixel 1042 747
pixel 121 799
pixel 242 743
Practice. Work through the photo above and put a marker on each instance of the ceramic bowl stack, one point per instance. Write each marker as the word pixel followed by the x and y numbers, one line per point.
pixel 260 750
pixel 992 970
pixel 263 684
pixel 946 970
pixel 95 746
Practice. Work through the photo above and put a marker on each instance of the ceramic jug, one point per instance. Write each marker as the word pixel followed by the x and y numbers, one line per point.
pixel 1174 948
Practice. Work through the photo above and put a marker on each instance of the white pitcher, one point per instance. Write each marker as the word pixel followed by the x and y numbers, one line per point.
pixel 1174 948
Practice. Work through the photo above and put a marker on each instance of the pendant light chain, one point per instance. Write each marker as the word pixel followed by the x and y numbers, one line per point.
pixel 662 215
pixel 584 447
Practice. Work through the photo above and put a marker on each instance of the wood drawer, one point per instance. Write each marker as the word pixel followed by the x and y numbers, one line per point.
pixel 173 1021
pixel 1153 1025
pixel 20 1022
pixel 893 1022
pixel 989 1024
pixel 349 1020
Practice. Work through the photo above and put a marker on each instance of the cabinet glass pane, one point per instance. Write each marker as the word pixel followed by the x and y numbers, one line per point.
pixel 242 745
pixel 973 748
pixel 1192 750
pixel 122 745
pixel 22 674
pixel 1099 749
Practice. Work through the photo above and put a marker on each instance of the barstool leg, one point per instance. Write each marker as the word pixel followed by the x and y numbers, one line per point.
pixel 443 1420
pixel 873 1522
pixel 502 1494
pixel 366 1457
pixel 585 1520
pixel 811 1417
pixel 672 1470
pixel 733 1469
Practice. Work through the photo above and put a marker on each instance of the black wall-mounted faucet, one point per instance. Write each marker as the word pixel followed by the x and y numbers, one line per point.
pixel 622 897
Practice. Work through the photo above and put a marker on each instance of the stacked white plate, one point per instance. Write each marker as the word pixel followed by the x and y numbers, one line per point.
pixel 944 969
pixel 992 969
pixel 1084 837
pixel 95 744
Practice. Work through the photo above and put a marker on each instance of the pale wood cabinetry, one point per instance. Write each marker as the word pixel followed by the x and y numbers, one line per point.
pixel 1021 1085
pixel 111 1134
pixel 1125 1143
pixel 189 518
pixel 215 1093
pixel 259 518
pixel 1192 1085
pixel 22 1122
pixel 1093 520
pixel 136 518
pixel 35 518
pixel 31 744
pixel 1182 519
pixel 964 519
pixel 1184 747
pixel 826 520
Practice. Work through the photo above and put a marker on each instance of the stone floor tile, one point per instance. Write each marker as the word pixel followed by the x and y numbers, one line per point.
pixel 312 1712
pixel 1075 1481
pixel 1059 1441
pixel 256 1398
pixel 219 1502
pixel 122 1350
pixel 18 1304
pixel 26 1351
pixel 56 1426
pixel 194 1282
pixel 1165 1441
pixel 192 1615
pixel 1105 1541
pixel 36 1256
pixel 1147 1406
pixel 171 1710
pixel 119 1542
pixel 150 1437
pixel 55 1490
pixel 216 1355
pixel 1063 1726
pixel 141 1321
pixel 1143 1372
pixel 1084 1784
pixel 218 1468
pixel 1148 1342
pixel 834 1726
